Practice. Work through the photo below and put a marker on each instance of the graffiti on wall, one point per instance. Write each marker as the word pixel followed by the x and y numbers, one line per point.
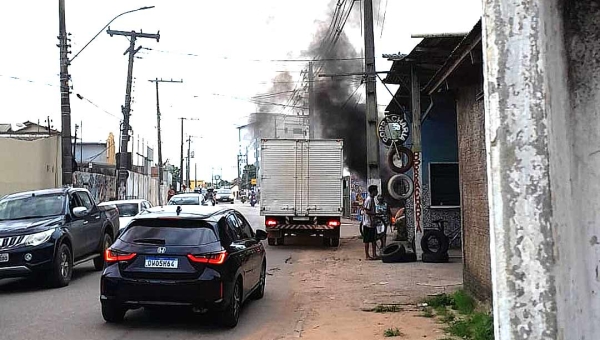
pixel 102 187
pixel 417 192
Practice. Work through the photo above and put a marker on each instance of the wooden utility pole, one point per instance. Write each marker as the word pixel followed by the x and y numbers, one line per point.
pixel 65 100
pixel 126 109
pixel 373 176
pixel 415 91
pixel 189 161
pixel 160 162
pixel 311 102
pixel 181 151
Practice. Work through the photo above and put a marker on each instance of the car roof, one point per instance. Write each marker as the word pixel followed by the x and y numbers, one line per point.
pixel 53 191
pixel 125 201
pixel 208 213
pixel 188 194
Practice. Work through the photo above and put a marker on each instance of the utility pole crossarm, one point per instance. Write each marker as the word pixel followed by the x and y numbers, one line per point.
pixel 134 34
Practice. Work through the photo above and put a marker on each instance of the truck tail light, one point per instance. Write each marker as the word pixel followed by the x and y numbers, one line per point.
pixel 270 222
pixel 334 223
pixel 112 256
pixel 215 258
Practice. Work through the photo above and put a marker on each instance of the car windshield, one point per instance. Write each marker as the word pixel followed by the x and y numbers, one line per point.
pixel 185 200
pixel 127 209
pixel 170 233
pixel 31 207
pixel 224 192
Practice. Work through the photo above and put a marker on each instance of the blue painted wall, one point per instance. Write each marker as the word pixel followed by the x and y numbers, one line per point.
pixel 439 135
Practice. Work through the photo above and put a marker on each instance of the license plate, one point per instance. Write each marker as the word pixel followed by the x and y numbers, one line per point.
pixel 4 257
pixel 301 218
pixel 161 262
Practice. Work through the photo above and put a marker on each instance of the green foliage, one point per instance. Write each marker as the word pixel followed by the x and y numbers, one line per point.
pixel 387 309
pixel 477 326
pixel 392 332
pixel 463 302
pixel 427 313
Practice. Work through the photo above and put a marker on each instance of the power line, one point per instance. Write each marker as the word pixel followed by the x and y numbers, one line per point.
pixel 28 80
pixel 383 21
pixel 258 101
pixel 352 95
pixel 98 107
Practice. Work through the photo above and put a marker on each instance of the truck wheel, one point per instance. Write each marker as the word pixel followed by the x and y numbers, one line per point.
pixel 106 243
pixel 113 313
pixel 335 241
pixel 271 241
pixel 62 267
pixel 326 241
pixel 280 241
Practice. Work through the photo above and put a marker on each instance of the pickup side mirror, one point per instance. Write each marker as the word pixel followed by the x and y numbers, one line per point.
pixel 260 235
pixel 80 211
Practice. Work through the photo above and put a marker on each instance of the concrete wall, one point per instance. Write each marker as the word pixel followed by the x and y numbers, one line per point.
pixel 102 187
pixel 473 181
pixel 29 164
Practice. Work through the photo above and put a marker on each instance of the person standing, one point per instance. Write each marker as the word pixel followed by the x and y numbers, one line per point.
pixel 369 230
pixel 170 194
pixel 385 216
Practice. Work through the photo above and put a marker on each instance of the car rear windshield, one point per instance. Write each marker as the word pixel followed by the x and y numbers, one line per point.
pixel 185 200
pixel 170 233
pixel 31 207
pixel 127 209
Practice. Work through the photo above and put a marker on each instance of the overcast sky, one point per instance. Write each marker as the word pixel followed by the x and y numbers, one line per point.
pixel 232 41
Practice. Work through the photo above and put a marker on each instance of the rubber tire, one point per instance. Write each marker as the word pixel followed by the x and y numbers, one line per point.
pixel 435 258
pixel 56 279
pixel 280 241
pixel 402 149
pixel 393 193
pixel 393 252
pixel 271 241
pixel 259 292
pixel 334 241
pixel 442 240
pixel 230 316
pixel 326 241
pixel 113 313
pixel 409 257
pixel 99 261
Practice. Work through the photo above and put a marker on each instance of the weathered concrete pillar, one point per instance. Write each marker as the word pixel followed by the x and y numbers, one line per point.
pixel 543 141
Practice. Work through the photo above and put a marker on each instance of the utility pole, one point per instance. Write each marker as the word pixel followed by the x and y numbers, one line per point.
pixel 311 102
pixel 195 175
pixel 189 160
pixel 181 151
pixel 160 162
pixel 373 176
pixel 65 100
pixel 133 35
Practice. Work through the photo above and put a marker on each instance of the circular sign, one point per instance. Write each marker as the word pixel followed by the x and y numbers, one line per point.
pixel 393 128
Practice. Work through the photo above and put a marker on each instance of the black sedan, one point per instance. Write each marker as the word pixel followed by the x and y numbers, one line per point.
pixel 205 258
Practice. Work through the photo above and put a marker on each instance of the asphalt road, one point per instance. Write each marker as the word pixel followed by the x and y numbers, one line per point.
pixel 28 311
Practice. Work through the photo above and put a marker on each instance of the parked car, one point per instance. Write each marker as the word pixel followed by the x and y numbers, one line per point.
pixel 47 232
pixel 202 257
pixel 187 199
pixel 225 195
pixel 128 209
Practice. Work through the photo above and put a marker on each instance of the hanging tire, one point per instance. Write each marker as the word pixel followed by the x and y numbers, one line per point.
pixel 393 253
pixel 436 238
pixel 435 258
pixel 407 184
pixel 398 151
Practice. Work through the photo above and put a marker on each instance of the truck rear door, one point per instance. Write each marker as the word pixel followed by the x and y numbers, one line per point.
pixel 279 174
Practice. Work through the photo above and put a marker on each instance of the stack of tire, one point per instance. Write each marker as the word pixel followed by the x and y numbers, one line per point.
pixel 396 252
pixel 400 176
pixel 438 254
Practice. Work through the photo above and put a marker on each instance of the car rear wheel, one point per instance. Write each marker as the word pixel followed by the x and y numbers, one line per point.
pixel 99 261
pixel 259 293
pixel 113 313
pixel 62 268
pixel 230 316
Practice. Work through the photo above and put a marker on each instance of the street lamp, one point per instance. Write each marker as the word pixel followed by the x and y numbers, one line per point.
pixel 105 26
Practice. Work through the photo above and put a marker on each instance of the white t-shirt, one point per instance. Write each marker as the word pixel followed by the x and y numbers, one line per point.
pixel 367 206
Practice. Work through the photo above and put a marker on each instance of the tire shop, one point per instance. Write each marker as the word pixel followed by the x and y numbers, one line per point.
pixel 438 169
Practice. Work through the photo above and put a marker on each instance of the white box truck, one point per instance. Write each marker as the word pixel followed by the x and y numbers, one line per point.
pixel 301 188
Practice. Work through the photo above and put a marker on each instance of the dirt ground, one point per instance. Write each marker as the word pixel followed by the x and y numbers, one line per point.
pixel 334 289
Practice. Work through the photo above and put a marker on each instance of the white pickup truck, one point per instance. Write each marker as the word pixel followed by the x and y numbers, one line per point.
pixel 301 188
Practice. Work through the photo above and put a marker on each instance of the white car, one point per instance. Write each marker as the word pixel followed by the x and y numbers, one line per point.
pixel 188 199
pixel 128 209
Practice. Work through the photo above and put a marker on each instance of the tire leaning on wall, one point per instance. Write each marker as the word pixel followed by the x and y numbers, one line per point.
pixel 399 150
pixel 409 184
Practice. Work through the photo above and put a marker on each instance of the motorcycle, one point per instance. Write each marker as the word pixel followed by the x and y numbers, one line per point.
pixel 253 201
pixel 243 199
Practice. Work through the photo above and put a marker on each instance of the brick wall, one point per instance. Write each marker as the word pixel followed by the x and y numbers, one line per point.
pixel 472 165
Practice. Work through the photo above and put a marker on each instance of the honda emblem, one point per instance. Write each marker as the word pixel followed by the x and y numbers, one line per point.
pixel 161 250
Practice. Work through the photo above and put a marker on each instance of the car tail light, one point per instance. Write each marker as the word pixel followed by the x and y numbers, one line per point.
pixel 216 258
pixel 112 256
pixel 270 222
pixel 334 223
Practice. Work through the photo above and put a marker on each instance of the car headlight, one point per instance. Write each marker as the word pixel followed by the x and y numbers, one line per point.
pixel 231 196
pixel 37 238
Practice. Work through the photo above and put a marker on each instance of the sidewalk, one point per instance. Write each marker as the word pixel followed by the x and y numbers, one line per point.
pixel 338 288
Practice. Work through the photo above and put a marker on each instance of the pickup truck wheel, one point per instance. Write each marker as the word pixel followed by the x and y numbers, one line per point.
pixel 62 267
pixel 335 241
pixel 113 313
pixel 99 261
